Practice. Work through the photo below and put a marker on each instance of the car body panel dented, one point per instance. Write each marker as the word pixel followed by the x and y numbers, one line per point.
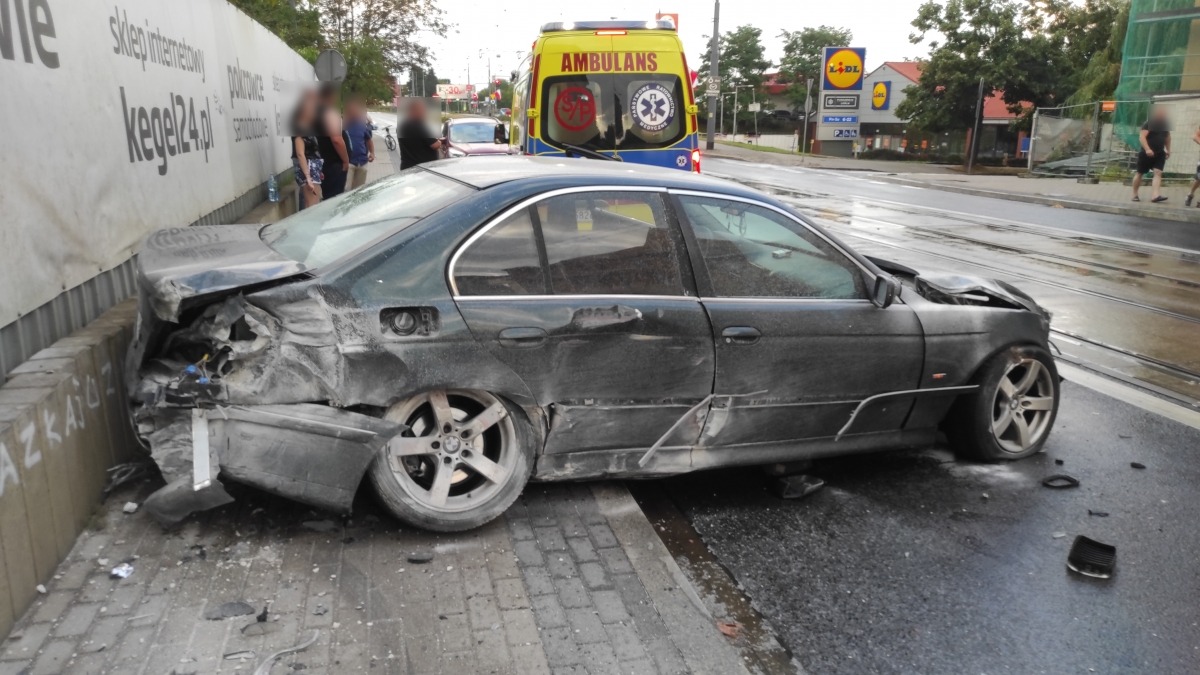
pixel 312 453
pixel 186 262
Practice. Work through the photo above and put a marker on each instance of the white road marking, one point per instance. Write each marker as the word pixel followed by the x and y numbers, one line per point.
pixel 1131 395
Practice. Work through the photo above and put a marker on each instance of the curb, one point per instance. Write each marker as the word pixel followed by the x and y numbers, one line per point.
pixel 689 622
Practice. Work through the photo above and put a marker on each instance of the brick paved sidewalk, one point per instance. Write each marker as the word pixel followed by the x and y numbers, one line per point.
pixel 572 580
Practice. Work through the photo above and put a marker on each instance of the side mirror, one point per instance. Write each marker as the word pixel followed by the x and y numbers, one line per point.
pixel 885 291
pixel 501 134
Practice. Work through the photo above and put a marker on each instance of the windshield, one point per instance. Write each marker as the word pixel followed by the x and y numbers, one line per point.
pixel 473 132
pixel 323 233
pixel 614 112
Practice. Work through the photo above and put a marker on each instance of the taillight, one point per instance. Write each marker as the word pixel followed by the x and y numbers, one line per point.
pixel 695 161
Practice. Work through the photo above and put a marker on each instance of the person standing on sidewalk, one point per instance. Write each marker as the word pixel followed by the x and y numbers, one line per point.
pixel 306 159
pixel 1155 139
pixel 417 144
pixel 1195 178
pixel 331 142
pixel 362 147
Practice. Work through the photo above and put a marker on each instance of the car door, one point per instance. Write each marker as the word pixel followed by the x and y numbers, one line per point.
pixel 588 296
pixel 798 342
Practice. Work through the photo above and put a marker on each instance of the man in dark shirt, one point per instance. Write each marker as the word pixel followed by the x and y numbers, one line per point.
pixel 1155 139
pixel 417 144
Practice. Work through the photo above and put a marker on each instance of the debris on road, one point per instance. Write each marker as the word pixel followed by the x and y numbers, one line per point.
pixel 1098 514
pixel 797 486
pixel 1092 558
pixel 1060 480
pixel 1059 535
pixel 265 667
pixel 730 629
pixel 228 611
pixel 320 525
pixel 243 655
pixel 130 507
pixel 1137 465
pixel 1058 462
pixel 320 610
pixel 122 571
pixel 420 557
pixel 41 589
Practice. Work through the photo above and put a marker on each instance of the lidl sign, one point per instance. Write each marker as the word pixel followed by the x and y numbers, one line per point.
pixel 843 69
pixel 881 95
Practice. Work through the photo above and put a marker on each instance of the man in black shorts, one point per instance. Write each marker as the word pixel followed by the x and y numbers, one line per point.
pixel 1155 139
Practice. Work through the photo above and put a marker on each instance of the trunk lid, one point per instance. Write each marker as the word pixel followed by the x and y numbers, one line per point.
pixel 180 264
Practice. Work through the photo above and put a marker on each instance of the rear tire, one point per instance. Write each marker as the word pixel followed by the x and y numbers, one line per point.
pixel 1010 416
pixel 465 459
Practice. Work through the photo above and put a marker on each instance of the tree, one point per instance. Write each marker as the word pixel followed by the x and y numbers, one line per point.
pixel 802 55
pixel 298 26
pixel 394 25
pixel 742 58
pixel 1035 51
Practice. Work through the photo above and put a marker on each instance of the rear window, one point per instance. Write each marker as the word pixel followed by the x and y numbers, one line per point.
pixel 601 111
pixel 323 233
pixel 473 132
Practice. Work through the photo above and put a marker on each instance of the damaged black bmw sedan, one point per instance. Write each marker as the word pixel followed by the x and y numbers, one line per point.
pixel 458 329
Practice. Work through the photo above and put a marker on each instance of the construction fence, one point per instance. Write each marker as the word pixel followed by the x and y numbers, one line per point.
pixel 1099 140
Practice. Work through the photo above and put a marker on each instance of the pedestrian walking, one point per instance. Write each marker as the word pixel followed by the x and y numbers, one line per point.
pixel 1155 139
pixel 362 146
pixel 307 164
pixel 331 142
pixel 1195 178
pixel 417 143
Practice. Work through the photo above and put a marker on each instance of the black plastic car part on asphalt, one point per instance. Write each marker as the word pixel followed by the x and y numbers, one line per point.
pixel 403 351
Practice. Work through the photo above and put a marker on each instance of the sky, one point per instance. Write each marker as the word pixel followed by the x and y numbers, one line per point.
pixel 500 30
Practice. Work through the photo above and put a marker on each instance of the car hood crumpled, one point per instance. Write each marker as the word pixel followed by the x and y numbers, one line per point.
pixel 952 285
pixel 186 262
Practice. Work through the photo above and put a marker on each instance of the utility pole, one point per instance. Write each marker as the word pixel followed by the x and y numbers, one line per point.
pixel 808 83
pixel 714 75
pixel 975 132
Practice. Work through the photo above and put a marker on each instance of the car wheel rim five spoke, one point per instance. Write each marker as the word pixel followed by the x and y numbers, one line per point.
pixel 1023 404
pixel 453 442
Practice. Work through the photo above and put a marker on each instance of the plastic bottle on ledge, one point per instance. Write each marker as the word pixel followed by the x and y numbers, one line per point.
pixel 272 189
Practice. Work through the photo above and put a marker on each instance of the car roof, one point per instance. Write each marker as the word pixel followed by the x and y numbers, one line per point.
pixel 486 172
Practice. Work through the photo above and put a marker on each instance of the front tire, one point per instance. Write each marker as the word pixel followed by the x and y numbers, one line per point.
pixel 1010 415
pixel 463 462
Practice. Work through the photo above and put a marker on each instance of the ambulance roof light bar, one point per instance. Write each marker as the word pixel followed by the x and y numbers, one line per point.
pixel 559 26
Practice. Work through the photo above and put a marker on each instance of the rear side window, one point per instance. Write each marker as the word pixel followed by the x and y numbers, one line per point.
pixel 614 111
pixel 503 261
pixel 613 243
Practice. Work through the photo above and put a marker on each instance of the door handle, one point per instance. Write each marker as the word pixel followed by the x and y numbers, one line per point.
pixel 524 337
pixel 742 335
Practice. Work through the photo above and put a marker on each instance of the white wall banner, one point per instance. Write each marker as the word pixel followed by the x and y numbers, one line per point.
pixel 122 117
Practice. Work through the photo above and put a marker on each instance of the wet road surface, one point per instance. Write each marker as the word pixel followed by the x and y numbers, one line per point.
pixel 1125 293
pixel 915 562
pixel 901 564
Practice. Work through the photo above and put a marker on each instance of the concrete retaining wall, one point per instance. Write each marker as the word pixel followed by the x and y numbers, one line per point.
pixel 62 425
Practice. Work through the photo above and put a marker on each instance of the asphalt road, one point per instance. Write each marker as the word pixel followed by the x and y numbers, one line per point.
pixel 850 184
pixel 916 563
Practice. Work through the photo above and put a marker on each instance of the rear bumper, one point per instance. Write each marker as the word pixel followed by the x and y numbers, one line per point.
pixel 312 453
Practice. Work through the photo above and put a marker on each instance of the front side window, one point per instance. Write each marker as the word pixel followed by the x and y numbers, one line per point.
pixel 502 261
pixel 323 233
pixel 752 251
pixel 614 112
pixel 613 243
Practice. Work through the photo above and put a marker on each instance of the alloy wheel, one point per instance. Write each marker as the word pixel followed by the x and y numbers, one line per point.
pixel 458 452
pixel 1023 405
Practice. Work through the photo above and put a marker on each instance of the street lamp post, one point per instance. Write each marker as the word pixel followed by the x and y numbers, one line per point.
pixel 721 123
pixel 735 107
pixel 714 73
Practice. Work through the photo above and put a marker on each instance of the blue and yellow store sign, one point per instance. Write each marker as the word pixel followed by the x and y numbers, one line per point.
pixel 843 69
pixel 881 95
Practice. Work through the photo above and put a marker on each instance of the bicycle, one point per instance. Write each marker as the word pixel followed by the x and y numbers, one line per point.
pixel 387 139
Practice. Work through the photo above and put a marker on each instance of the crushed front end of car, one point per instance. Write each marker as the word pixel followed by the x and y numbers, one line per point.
pixel 233 373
